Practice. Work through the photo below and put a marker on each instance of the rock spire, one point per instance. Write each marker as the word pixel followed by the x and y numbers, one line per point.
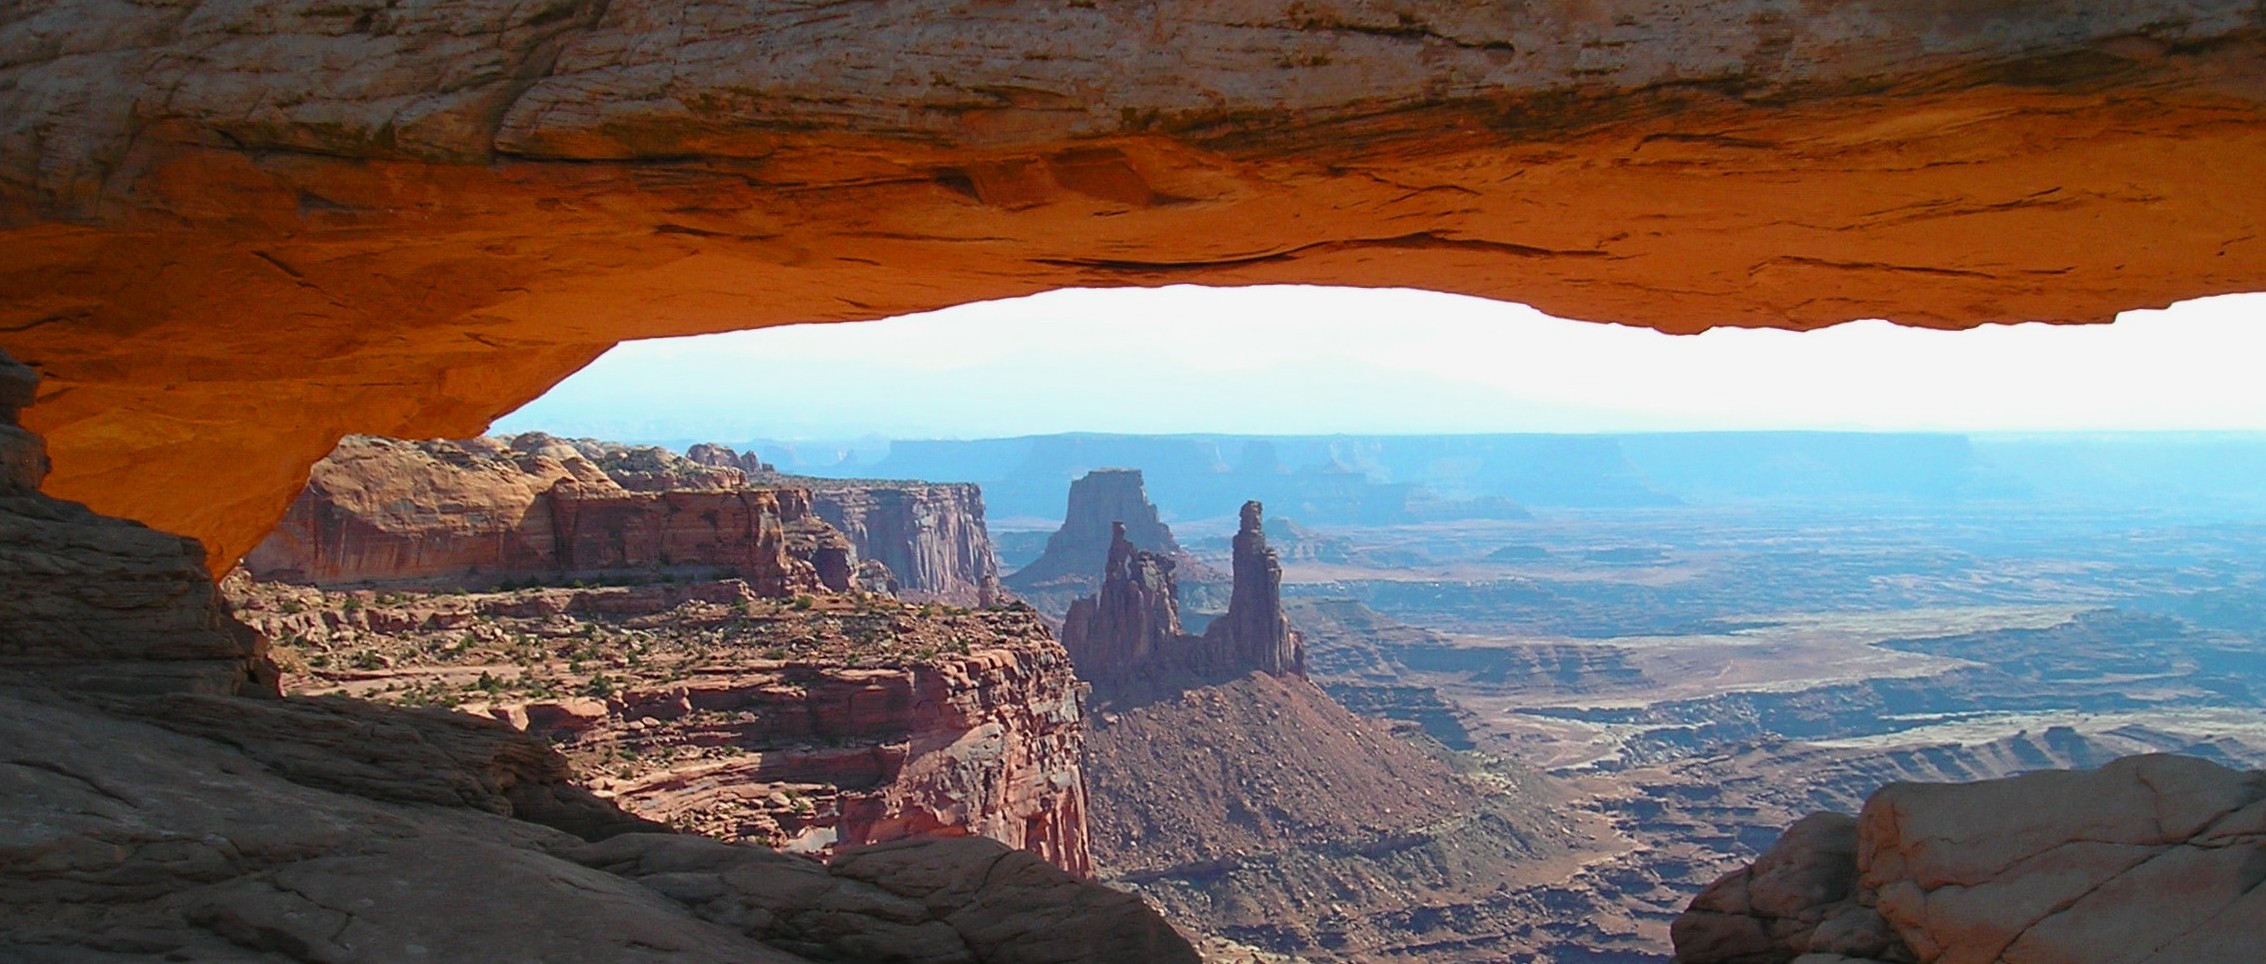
pixel 1127 639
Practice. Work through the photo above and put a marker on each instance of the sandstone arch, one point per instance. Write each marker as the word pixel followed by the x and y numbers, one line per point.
pixel 235 231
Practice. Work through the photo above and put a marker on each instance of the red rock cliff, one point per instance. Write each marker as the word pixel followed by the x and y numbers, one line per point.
pixel 930 535
pixel 986 744
pixel 809 726
pixel 488 510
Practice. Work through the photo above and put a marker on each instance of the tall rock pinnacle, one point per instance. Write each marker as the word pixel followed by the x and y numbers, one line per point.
pixel 1254 634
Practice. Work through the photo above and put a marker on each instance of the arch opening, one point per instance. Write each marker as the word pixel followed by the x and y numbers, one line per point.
pixel 1664 638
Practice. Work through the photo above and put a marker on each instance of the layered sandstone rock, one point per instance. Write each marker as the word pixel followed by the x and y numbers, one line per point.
pixel 929 535
pixel 2149 858
pixel 813 725
pixel 485 511
pixel 94 603
pixel 1127 639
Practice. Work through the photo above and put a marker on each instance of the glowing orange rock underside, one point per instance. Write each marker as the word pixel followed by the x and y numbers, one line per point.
pixel 225 324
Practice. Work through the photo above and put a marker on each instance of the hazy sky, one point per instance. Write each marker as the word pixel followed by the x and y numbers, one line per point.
pixel 1300 360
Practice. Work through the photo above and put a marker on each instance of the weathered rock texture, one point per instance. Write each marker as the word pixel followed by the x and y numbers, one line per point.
pixel 1127 639
pixel 224 829
pixel 147 812
pixel 930 536
pixel 2151 858
pixel 814 725
pixel 438 210
pixel 95 603
pixel 488 510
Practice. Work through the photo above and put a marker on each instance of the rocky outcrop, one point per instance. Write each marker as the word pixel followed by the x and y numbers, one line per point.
pixel 2149 858
pixel 835 758
pixel 1254 635
pixel 1132 627
pixel 1127 639
pixel 94 603
pixel 146 812
pixel 943 900
pixel 1072 564
pixel 486 511
pixel 390 835
pixel 931 536
pixel 814 725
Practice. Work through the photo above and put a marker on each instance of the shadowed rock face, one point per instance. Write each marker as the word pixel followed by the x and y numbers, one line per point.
pixel 94 603
pixel 2149 858
pixel 455 204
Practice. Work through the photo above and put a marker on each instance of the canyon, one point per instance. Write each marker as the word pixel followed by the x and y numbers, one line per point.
pixel 735 679
pixel 240 233
pixel 163 798
pixel 1251 806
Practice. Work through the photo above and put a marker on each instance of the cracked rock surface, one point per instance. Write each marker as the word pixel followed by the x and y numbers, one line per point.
pixel 2154 859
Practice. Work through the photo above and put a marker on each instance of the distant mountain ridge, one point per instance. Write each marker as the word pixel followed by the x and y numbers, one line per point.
pixel 1353 479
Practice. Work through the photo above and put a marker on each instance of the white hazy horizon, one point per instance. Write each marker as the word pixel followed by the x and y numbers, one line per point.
pixel 1300 360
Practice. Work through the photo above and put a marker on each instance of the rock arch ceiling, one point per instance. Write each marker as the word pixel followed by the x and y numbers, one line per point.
pixel 236 230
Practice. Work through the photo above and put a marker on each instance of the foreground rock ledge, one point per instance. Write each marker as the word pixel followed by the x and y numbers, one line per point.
pixel 2153 859
pixel 237 232
pixel 159 798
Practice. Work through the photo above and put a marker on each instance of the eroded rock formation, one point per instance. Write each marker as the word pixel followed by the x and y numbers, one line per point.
pixel 1127 639
pixel 814 725
pixel 147 810
pixel 929 535
pixel 2149 858
pixel 486 510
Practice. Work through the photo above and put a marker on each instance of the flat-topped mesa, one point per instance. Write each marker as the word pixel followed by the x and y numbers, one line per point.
pixel 930 535
pixel 1127 639
pixel 484 511
pixel 95 603
pixel 1103 502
